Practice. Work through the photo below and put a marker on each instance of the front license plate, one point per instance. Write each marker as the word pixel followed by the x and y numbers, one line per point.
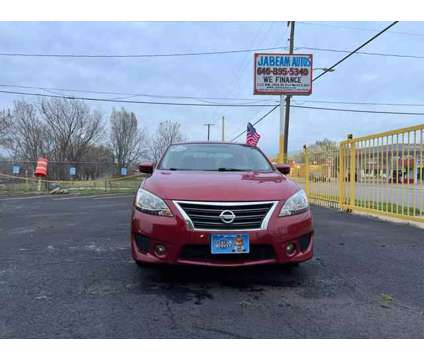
pixel 230 243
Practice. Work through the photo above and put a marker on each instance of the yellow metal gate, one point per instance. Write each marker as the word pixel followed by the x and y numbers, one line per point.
pixel 380 174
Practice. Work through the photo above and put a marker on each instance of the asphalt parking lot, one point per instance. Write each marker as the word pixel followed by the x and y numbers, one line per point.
pixel 66 272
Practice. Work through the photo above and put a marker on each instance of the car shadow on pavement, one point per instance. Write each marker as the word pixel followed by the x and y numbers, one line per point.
pixel 186 283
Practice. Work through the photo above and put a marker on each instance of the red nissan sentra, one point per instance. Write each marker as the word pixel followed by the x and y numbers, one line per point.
pixel 219 204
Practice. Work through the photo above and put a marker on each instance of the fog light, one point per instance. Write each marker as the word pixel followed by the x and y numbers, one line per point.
pixel 160 250
pixel 290 249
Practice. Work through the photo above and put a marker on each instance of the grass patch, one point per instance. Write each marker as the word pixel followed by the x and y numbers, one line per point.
pixel 386 300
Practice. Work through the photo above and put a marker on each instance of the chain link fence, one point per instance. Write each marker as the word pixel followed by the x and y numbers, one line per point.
pixel 16 177
pixel 66 170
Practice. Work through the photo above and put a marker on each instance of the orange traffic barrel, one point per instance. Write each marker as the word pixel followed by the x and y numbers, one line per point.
pixel 41 169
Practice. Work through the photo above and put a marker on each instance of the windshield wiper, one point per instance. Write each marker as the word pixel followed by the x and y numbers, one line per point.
pixel 232 169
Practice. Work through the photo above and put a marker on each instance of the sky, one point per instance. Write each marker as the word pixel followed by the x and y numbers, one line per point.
pixel 361 78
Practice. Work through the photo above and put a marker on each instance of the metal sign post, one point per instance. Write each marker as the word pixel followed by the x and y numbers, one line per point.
pixel 282 153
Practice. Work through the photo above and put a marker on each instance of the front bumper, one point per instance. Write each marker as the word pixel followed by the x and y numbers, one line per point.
pixel 192 247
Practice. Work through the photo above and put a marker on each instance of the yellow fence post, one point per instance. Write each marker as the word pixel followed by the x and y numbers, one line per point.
pixel 352 172
pixel 342 147
pixel 305 151
pixel 280 157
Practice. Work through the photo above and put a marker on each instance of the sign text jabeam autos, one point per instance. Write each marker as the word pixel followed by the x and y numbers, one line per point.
pixel 283 74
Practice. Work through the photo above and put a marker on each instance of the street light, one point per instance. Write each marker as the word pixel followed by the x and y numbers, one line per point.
pixel 324 69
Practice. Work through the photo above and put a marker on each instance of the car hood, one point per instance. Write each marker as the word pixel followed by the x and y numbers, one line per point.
pixel 219 186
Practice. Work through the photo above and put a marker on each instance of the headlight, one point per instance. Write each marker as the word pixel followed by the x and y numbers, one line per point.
pixel 151 204
pixel 295 204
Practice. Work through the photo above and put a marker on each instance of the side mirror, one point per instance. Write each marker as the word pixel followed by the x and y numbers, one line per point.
pixel 283 168
pixel 146 167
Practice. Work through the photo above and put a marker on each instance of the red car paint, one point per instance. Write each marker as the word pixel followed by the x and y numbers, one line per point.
pixel 214 186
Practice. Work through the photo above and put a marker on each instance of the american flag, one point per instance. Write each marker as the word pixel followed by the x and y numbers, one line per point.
pixel 252 137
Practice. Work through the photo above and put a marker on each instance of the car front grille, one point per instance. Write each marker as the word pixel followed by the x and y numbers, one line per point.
pixel 206 215
pixel 203 252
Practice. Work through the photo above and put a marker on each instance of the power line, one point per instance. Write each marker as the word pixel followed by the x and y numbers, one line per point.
pixel 132 101
pixel 257 121
pixel 241 69
pixel 140 55
pixel 356 50
pixel 201 98
pixel 357 28
pixel 359 111
pixel 359 103
pixel 214 113
pixel 364 53
pixel 44 88
pixel 333 109
pixel 329 69
pixel 408 56
pixel 212 105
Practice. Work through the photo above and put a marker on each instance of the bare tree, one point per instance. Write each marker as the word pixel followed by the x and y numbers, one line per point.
pixel 5 126
pixel 128 140
pixel 325 146
pixel 168 133
pixel 72 127
pixel 28 136
pixel 97 162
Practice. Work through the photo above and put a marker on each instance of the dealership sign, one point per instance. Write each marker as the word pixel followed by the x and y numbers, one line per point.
pixel 283 74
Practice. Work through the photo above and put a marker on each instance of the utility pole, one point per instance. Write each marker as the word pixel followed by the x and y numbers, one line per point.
pixel 209 129
pixel 285 110
pixel 223 129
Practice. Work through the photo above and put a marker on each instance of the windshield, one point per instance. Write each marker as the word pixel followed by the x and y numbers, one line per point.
pixel 214 157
